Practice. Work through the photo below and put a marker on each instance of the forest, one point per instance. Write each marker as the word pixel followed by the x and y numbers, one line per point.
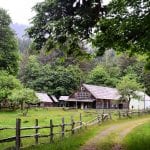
pixel 74 42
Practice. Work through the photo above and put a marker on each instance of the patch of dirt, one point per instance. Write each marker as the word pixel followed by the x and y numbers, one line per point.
pixel 127 130
pixel 122 129
pixel 91 144
pixel 117 147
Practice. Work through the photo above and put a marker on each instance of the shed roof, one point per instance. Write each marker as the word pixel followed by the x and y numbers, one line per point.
pixel 100 92
pixel 43 97
pixel 54 98
pixel 143 96
pixel 63 98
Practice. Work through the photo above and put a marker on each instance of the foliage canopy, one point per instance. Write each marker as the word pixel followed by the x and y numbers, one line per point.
pixel 7 84
pixel 22 96
pixel 59 20
pixel 101 76
pixel 125 27
pixel 8 45
pixel 57 80
pixel 128 87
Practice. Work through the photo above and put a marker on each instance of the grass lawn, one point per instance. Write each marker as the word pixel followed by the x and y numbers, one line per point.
pixel 76 141
pixel 72 142
pixel 8 119
pixel 138 139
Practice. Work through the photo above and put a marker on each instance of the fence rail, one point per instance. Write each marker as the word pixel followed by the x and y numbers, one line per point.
pixel 74 125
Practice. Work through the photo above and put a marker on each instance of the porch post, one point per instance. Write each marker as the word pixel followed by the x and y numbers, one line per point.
pixel 103 103
pixel 107 104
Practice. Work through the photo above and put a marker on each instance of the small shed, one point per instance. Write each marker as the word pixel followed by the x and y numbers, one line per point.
pixel 45 100
pixel 141 102
pixel 63 100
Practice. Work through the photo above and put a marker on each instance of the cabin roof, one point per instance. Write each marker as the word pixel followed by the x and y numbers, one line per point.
pixel 43 97
pixel 101 92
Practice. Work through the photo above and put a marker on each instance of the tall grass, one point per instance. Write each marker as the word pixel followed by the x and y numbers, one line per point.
pixel 138 139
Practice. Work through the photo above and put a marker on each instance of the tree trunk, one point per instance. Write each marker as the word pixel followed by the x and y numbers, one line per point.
pixel 129 102
pixel 22 106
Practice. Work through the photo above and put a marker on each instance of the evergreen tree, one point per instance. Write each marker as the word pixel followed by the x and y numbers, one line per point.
pixel 8 45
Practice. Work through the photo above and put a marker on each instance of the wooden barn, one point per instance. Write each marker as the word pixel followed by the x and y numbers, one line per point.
pixel 44 100
pixel 92 96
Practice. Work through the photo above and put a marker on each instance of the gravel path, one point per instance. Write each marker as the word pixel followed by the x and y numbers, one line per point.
pixel 122 129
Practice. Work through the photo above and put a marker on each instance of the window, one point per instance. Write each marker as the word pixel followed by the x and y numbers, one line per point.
pixel 83 95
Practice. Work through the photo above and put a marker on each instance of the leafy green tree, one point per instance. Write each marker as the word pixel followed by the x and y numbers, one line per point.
pixel 100 76
pixel 63 26
pixel 128 87
pixel 135 65
pixel 8 45
pixel 125 62
pixel 66 80
pixel 29 70
pixel 146 81
pixel 125 27
pixel 56 80
pixel 22 96
pixel 7 84
pixel 64 20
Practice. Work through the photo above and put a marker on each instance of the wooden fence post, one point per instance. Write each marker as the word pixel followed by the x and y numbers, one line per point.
pixel 127 113
pixel 18 141
pixel 103 111
pixel 110 117
pixel 98 117
pixel 36 132
pixel 102 117
pixel 119 114
pixel 63 127
pixel 72 126
pixel 51 131
pixel 138 113
pixel 80 120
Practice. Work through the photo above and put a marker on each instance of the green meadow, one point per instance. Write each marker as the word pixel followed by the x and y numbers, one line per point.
pixel 8 119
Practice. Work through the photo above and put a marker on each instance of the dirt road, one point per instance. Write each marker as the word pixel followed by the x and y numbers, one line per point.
pixel 120 130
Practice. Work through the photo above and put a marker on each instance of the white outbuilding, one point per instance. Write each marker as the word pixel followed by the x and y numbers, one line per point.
pixel 141 102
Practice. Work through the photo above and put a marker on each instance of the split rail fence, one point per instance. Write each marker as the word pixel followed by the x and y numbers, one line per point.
pixel 74 125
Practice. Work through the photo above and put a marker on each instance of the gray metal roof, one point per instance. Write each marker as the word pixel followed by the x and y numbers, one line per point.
pixel 43 97
pixel 142 95
pixel 54 98
pixel 100 92
pixel 63 98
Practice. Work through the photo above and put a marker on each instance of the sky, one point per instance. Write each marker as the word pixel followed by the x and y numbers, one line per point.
pixel 20 11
